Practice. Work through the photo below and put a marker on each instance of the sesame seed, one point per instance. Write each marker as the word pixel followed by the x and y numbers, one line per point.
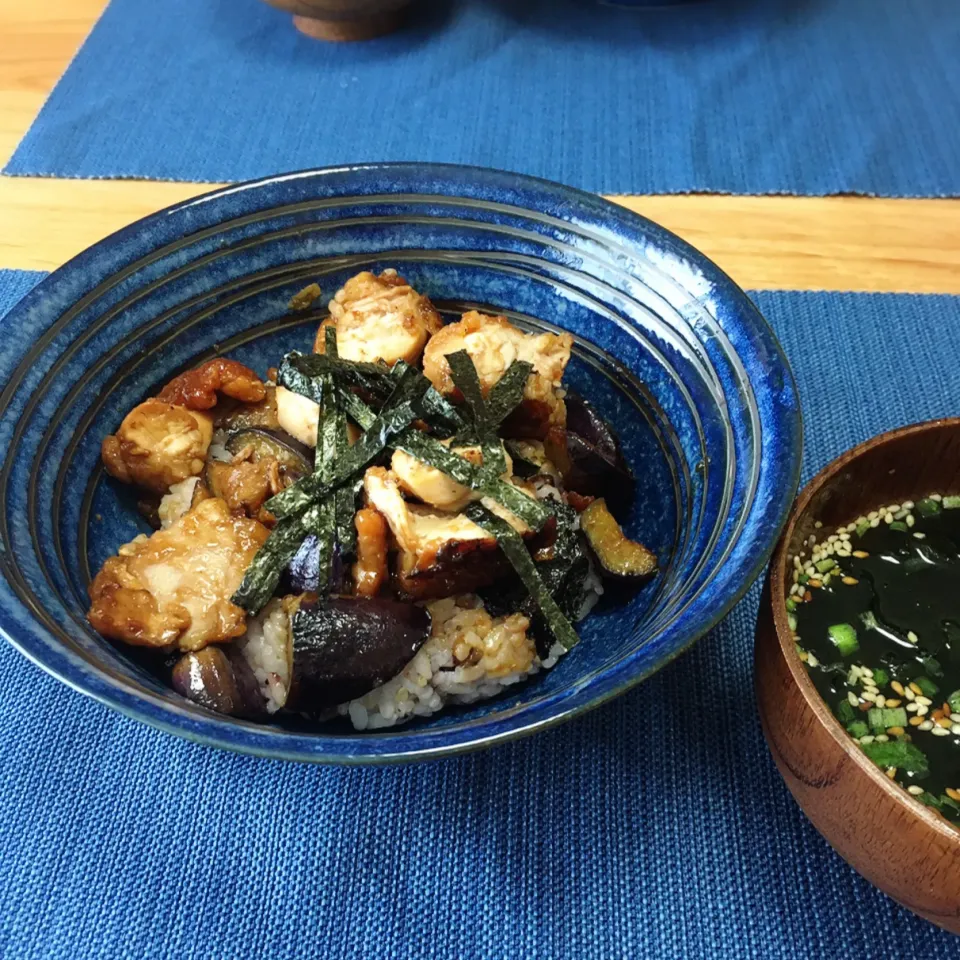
pixel 812 661
pixel 913 638
pixel 883 738
pixel 894 507
pixel 869 695
pixel 955 729
pixel 945 723
pixel 872 515
pixel 955 717
pixel 924 701
pixel 914 790
pixel 860 554
pixel 920 536
pixel 922 710
pixel 936 496
pixel 881 701
pixel 832 538
pixel 852 698
pixel 913 707
pixel 908 504
pixel 865 672
pixel 940 731
pixel 926 725
pixel 888 518
pixel 909 694
pixel 896 731
pixel 952 794
pixel 817 525
pixel 797 563
pixel 897 686
pixel 816 584
pixel 915 721
pixel 893 702
pixel 849 581
pixel 875 522
pixel 866 739
pixel 891 771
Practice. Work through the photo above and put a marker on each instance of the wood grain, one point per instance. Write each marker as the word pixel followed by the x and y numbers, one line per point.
pixel 897 843
pixel 831 243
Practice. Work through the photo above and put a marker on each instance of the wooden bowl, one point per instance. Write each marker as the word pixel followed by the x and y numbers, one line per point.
pixel 901 846
pixel 343 20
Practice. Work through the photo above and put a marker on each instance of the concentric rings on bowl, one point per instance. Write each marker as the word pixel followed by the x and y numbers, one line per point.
pixel 668 347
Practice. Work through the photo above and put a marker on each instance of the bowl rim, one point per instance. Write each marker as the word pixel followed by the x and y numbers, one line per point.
pixel 580 208
pixel 776 579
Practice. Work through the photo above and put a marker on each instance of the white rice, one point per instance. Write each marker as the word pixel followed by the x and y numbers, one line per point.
pixel 266 648
pixel 177 501
pixel 469 656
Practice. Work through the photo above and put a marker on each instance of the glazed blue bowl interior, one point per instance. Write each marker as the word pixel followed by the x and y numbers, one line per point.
pixel 667 347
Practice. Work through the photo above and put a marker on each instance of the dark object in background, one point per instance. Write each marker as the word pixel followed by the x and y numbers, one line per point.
pixel 344 20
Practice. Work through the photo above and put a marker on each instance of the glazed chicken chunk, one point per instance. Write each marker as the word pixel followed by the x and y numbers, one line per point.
pixel 493 344
pixel 174 588
pixel 439 552
pixel 433 486
pixel 158 444
pixel 165 440
pixel 380 318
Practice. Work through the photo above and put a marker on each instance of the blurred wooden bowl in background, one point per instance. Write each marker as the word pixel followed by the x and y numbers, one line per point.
pixel 344 20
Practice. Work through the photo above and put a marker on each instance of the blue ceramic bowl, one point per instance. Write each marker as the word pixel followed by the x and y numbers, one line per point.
pixel 667 346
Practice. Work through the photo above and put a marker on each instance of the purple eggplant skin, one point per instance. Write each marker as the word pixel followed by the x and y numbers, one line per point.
pixel 303 571
pixel 294 456
pixel 597 467
pixel 343 647
pixel 220 681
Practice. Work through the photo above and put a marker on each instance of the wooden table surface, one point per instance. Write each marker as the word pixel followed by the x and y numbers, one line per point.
pixel 831 243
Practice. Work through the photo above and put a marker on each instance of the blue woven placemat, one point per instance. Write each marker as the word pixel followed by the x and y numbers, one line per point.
pixel 654 827
pixel 740 96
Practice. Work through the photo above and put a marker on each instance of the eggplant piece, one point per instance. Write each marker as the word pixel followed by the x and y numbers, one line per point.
pixel 220 681
pixel 346 646
pixel 232 415
pixel 589 455
pixel 303 571
pixel 619 557
pixel 294 456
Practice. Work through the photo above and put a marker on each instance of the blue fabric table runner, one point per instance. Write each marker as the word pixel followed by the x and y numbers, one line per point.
pixel 740 96
pixel 654 827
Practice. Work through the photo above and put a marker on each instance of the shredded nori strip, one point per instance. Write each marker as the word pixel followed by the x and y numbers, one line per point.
pixel 522 467
pixel 511 543
pixel 264 572
pixel 467 381
pixel 372 378
pixel 291 378
pixel 507 393
pixel 398 412
pixel 330 342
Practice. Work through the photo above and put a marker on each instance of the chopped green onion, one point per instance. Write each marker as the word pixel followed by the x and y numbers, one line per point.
pixel 792 621
pixel 929 688
pixel 946 801
pixel 803 578
pixel 875 719
pixel 896 753
pixel 899 526
pixel 929 799
pixel 845 712
pixel 511 543
pixel 863 527
pixel 825 565
pixel 953 701
pixel 880 677
pixel 791 605
pixel 894 717
pixel 951 503
pixel 932 666
pixel 858 728
pixel 844 638
pixel 927 507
